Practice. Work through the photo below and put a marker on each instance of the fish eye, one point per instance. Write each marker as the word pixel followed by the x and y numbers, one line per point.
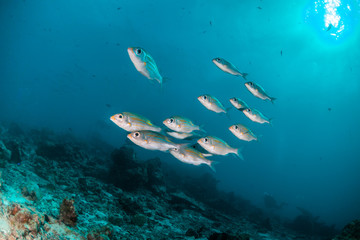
pixel 138 51
pixel 204 97
pixel 176 149
pixel 120 116
pixel 136 134
pixel 234 99
pixel 236 127
pixel 206 140
pixel 171 120
pixel 217 59
pixel 250 83
pixel 248 110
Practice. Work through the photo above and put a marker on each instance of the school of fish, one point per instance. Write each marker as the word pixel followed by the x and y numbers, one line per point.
pixel 145 134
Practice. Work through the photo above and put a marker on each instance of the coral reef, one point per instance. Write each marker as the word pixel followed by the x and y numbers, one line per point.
pixel 53 186
pixel 350 232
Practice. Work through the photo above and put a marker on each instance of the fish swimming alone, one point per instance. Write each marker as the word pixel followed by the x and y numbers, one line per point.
pixel 218 146
pixel 258 91
pixel 238 103
pixel 192 156
pixel 228 67
pixel 243 133
pixel 132 122
pixel 212 103
pixel 152 140
pixel 181 124
pixel 145 64
pixel 256 116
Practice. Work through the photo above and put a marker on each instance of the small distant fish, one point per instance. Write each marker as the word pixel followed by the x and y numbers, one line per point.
pixel 228 67
pixel 256 116
pixel 133 122
pixel 238 103
pixel 152 140
pixel 181 124
pixel 145 64
pixel 218 146
pixel 259 7
pixel 329 109
pixel 281 52
pixel 108 105
pixel 243 133
pixel 258 91
pixel 210 23
pixel 212 103
pixel 329 27
pixel 190 155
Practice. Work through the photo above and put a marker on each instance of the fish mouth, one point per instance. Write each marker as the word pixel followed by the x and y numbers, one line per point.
pixel 112 118
pixel 130 50
pixel 129 136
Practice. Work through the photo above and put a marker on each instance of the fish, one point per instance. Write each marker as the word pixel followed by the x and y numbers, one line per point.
pixel 182 135
pixel 181 124
pixel 132 122
pixel 256 116
pixel 212 103
pixel 228 67
pixel 243 133
pixel 218 146
pixel 152 140
pixel 258 91
pixel 190 155
pixel 145 64
pixel 238 103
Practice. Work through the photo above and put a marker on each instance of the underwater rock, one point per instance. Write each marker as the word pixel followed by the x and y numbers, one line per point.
pixel 139 220
pixel 350 232
pixel 67 213
pixel 52 151
pixel 130 175
pixel 31 196
pixel 15 151
pixel 5 154
pixel 103 233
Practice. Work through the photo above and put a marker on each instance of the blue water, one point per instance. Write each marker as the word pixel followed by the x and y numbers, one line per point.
pixel 64 65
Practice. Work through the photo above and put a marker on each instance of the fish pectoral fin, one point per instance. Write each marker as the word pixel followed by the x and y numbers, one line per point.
pixel 129 124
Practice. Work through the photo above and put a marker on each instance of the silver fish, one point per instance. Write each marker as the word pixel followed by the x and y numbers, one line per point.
pixel 152 140
pixel 133 122
pixel 145 64
pixel 256 116
pixel 228 67
pixel 243 133
pixel 238 103
pixel 190 155
pixel 218 146
pixel 212 103
pixel 180 135
pixel 181 124
pixel 258 91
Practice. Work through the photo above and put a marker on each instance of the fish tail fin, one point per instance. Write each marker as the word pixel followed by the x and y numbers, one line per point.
pixel 259 137
pixel 201 129
pixel 238 153
pixel 244 75
pixel 212 164
pixel 227 112
pixel 272 99
pixel 271 121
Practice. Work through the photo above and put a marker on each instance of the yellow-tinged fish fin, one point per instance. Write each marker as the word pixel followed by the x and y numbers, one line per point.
pixel 129 124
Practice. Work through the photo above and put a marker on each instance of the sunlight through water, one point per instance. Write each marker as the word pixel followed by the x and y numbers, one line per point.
pixel 332 19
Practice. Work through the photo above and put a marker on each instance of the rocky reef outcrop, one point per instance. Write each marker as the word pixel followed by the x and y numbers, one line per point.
pixel 54 186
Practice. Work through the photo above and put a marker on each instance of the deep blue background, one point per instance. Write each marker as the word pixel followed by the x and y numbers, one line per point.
pixel 63 61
